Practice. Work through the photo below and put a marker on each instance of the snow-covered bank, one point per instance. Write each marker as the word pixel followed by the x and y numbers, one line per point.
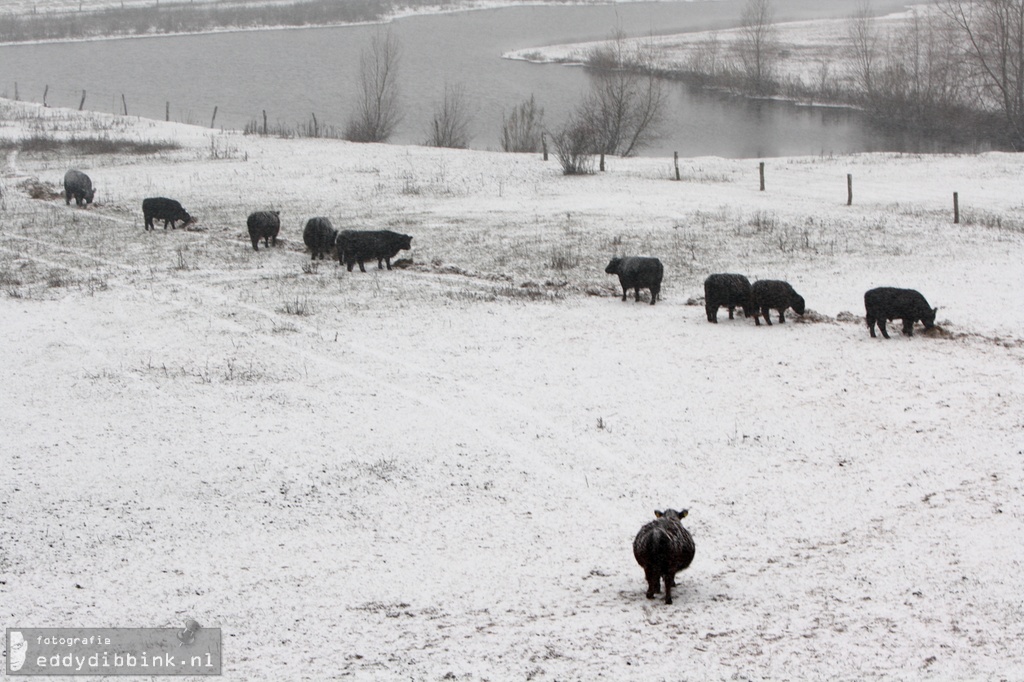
pixel 436 472
pixel 816 53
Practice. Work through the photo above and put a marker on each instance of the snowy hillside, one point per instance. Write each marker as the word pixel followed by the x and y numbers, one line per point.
pixel 436 472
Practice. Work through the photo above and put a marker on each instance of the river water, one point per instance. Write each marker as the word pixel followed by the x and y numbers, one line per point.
pixel 294 74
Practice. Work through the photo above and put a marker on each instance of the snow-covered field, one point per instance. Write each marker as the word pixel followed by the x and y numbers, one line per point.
pixel 437 472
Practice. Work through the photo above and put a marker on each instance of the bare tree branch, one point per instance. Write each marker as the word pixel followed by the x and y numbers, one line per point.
pixel 378 110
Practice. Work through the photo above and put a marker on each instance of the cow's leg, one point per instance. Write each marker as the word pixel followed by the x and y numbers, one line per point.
pixel 766 312
pixel 653 582
pixel 881 326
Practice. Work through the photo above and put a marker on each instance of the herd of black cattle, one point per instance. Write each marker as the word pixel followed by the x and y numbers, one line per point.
pixel 663 547
pixel 727 290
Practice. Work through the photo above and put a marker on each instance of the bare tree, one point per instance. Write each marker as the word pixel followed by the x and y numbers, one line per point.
pixel 758 43
pixel 924 64
pixel 706 58
pixel 911 76
pixel 522 129
pixel 993 34
pixel 574 146
pixel 864 38
pixel 378 110
pixel 627 100
pixel 451 123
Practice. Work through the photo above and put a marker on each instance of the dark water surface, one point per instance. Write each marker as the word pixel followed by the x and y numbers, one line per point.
pixel 296 73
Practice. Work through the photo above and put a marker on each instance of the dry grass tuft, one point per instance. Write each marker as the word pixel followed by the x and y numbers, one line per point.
pixel 40 189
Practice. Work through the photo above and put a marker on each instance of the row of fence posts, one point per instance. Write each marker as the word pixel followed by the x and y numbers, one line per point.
pixel 543 140
pixel 167 112
pixel 124 106
pixel 849 189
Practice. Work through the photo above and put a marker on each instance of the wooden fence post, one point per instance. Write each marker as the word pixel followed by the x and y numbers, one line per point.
pixel 45 91
pixel 544 144
pixel 316 126
pixel 675 160
pixel 956 208
pixel 214 116
pixel 761 169
pixel 264 121
pixel 849 189
pixel 167 112
pixel 124 103
pixel 82 103
pixel 16 98
pixel 602 162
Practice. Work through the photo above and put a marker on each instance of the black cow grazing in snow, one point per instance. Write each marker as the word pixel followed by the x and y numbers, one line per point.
pixel 637 272
pixel 78 185
pixel 890 303
pixel 726 289
pixel 663 548
pixel 265 225
pixel 167 210
pixel 319 236
pixel 768 294
pixel 357 246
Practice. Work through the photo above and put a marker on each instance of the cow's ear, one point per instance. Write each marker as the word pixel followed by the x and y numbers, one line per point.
pixel 683 514
pixel 935 310
pixel 658 514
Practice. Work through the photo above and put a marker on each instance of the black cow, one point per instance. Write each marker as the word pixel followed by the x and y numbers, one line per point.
pixel 357 246
pixel 637 272
pixel 726 289
pixel 264 225
pixel 167 210
pixel 768 294
pixel 78 185
pixel 663 548
pixel 319 236
pixel 890 303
